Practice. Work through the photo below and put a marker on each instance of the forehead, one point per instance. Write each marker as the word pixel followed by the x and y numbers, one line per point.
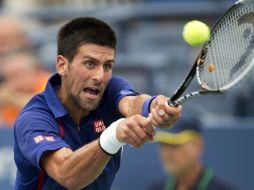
pixel 96 51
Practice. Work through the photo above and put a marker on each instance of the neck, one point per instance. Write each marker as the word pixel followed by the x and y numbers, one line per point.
pixel 74 110
pixel 187 179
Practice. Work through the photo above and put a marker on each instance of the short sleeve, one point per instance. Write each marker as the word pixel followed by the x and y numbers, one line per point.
pixel 119 88
pixel 36 132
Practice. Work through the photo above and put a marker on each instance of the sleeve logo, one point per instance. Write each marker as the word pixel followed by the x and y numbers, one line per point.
pixel 40 138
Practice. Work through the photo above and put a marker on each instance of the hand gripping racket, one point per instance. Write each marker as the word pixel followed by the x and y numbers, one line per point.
pixel 226 58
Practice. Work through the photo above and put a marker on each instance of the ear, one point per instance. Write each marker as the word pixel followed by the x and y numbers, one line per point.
pixel 61 65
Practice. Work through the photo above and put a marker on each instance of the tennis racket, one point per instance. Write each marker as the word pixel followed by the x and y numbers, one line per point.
pixel 227 58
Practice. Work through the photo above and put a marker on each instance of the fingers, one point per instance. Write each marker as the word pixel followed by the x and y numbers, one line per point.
pixel 135 130
pixel 162 115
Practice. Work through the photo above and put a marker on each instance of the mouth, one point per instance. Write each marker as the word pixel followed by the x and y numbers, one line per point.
pixel 91 92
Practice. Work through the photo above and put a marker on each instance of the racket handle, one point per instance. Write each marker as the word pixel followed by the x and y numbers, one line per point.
pixel 174 103
pixel 183 99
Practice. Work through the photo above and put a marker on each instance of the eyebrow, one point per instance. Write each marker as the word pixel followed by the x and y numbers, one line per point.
pixel 97 60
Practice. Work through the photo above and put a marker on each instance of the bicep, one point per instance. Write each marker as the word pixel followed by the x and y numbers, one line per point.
pixel 131 105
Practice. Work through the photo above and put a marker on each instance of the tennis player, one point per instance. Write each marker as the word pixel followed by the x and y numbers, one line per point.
pixel 70 136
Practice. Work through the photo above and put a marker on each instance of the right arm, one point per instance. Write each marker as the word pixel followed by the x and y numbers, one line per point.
pixel 77 169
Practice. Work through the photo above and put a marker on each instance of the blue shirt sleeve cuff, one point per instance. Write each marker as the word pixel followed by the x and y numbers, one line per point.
pixel 146 106
pixel 49 147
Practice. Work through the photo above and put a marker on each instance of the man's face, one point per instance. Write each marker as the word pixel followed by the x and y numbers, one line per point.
pixel 88 74
pixel 178 159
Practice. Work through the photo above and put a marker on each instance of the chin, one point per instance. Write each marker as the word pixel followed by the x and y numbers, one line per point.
pixel 90 106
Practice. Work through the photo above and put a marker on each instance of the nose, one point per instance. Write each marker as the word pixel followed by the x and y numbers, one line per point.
pixel 99 74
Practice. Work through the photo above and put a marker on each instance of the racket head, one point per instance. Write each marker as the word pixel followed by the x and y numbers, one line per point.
pixel 228 56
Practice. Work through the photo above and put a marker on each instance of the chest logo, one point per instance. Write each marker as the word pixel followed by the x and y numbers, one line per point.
pixel 98 126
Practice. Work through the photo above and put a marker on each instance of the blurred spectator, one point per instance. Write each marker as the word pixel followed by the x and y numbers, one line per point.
pixel 21 77
pixel 21 7
pixel 12 35
pixel 181 149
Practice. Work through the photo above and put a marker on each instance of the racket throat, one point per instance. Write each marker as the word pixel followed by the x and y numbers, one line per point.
pixel 183 99
pixel 190 96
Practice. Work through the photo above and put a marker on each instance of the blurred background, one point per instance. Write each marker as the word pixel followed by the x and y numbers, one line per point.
pixel 151 54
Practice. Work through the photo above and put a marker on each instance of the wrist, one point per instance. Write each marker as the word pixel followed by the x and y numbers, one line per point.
pixel 108 140
pixel 147 105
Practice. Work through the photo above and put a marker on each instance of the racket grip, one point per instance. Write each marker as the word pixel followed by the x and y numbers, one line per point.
pixel 183 99
pixel 173 103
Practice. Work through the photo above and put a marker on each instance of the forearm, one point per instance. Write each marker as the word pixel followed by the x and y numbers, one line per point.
pixel 80 168
pixel 132 105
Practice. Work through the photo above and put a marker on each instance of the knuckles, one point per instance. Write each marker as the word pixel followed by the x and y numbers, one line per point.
pixel 131 131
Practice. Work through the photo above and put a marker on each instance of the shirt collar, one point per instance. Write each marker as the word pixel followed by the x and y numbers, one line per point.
pixel 52 99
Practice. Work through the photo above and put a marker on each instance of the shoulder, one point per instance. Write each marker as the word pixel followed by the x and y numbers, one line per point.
pixel 117 88
pixel 38 102
pixel 119 84
pixel 117 80
pixel 35 114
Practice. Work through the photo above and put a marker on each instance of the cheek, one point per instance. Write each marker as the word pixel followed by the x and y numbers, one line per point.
pixel 107 77
pixel 71 84
pixel 75 77
pixel 81 73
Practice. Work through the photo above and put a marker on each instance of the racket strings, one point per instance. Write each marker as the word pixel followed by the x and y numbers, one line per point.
pixel 230 49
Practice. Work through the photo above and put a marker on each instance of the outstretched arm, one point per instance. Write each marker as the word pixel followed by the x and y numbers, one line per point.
pixel 77 169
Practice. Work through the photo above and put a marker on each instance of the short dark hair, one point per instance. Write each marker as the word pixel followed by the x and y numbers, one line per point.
pixel 83 30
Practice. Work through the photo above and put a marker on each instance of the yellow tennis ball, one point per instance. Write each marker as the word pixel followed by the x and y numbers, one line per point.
pixel 196 33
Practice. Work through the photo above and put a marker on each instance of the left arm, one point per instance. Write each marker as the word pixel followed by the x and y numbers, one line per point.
pixel 131 105
pixel 161 114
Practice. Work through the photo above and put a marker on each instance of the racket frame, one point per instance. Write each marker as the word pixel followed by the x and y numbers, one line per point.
pixel 176 100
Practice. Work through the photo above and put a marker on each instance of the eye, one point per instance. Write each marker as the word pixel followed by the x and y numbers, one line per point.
pixel 107 67
pixel 90 64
